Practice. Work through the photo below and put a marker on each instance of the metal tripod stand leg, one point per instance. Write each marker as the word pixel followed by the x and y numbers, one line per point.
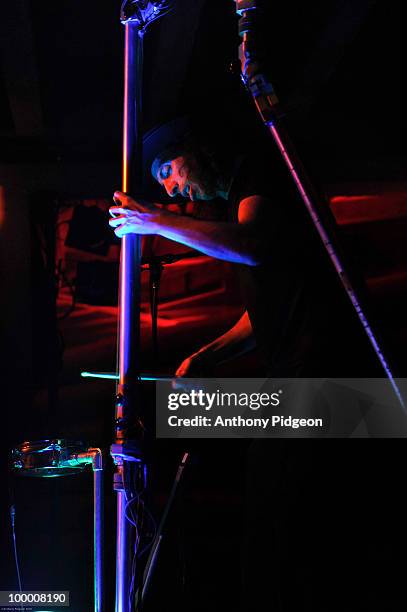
pixel 155 547
pixel 95 457
pixel 98 529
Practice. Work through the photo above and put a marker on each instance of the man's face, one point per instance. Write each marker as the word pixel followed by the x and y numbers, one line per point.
pixel 182 176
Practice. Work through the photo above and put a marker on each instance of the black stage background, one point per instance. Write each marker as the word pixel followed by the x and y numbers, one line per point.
pixel 338 68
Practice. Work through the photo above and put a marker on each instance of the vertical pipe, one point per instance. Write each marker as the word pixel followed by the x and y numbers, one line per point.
pixel 123 539
pixel 129 310
pixel 129 326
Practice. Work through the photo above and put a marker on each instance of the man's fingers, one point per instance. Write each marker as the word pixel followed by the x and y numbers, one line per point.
pixel 125 200
pixel 117 221
pixel 121 196
pixel 131 216
pixel 121 231
pixel 119 210
pixel 182 368
pixel 175 384
pixel 122 201
pixel 114 207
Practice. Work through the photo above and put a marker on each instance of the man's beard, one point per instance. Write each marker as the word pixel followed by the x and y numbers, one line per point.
pixel 204 181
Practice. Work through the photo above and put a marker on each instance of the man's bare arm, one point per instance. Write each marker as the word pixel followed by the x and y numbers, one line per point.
pixel 240 242
pixel 235 342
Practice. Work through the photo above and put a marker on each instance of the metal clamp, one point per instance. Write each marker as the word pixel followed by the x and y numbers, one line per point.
pixel 143 12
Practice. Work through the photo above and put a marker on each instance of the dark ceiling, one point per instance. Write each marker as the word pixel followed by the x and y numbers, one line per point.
pixel 337 64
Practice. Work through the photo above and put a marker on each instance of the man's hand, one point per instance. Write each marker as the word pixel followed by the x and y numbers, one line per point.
pixel 198 365
pixel 195 366
pixel 134 217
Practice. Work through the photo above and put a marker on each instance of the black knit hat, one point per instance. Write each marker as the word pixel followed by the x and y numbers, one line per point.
pixel 157 140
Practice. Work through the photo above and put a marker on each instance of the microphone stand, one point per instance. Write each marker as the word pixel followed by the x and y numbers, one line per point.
pixel 156 269
pixel 269 109
pixel 155 264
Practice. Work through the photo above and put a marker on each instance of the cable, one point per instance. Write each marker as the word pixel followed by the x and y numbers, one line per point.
pixel 134 560
pixel 133 495
pixel 129 502
pixel 153 534
pixel 13 531
pixel 136 495
pixel 140 520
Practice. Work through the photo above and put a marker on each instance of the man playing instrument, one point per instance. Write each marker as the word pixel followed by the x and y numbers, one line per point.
pixel 291 293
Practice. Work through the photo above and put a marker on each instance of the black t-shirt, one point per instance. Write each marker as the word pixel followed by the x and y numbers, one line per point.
pixel 302 318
